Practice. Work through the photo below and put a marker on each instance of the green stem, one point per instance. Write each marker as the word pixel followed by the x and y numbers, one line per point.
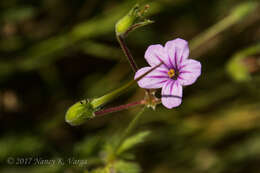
pixel 130 128
pixel 112 95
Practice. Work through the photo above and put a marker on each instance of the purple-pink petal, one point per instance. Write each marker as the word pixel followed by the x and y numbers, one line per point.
pixel 175 72
pixel 178 51
pixel 155 54
pixel 154 79
pixel 171 94
pixel 189 71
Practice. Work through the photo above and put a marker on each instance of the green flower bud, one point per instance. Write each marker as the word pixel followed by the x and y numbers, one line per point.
pixel 79 113
pixel 127 21
pixel 84 110
pixel 133 20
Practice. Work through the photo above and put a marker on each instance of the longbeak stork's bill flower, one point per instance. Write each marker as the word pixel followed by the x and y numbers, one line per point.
pixel 176 71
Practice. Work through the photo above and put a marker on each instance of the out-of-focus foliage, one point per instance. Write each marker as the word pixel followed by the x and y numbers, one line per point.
pixel 56 52
pixel 241 64
pixel 132 141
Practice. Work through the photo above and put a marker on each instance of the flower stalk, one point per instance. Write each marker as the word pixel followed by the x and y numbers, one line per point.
pixel 84 110
pixel 119 108
pixel 127 52
pixel 97 102
pixel 114 94
pixel 125 25
pixel 129 129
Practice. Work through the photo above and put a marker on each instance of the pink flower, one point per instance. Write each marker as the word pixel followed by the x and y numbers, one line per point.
pixel 176 71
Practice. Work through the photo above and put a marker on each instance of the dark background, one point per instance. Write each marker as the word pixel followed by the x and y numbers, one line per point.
pixel 56 52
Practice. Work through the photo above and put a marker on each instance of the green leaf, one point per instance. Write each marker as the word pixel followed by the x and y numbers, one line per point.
pixel 100 170
pixel 132 141
pixel 126 167
pixel 119 166
pixel 127 156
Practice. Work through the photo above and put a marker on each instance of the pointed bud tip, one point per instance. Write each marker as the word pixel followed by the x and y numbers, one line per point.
pixel 134 16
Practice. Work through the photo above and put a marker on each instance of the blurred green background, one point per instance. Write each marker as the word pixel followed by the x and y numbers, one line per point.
pixel 56 52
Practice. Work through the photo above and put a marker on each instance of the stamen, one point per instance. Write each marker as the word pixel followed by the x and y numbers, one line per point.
pixel 171 73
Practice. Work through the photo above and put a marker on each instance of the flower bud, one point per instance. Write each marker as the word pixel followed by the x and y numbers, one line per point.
pixel 79 113
pixel 84 110
pixel 128 20
pixel 133 20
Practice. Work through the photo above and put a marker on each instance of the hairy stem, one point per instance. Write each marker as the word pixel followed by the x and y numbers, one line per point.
pixel 112 95
pixel 127 52
pixel 119 108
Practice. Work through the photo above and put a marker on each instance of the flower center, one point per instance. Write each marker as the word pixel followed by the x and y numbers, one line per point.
pixel 173 74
